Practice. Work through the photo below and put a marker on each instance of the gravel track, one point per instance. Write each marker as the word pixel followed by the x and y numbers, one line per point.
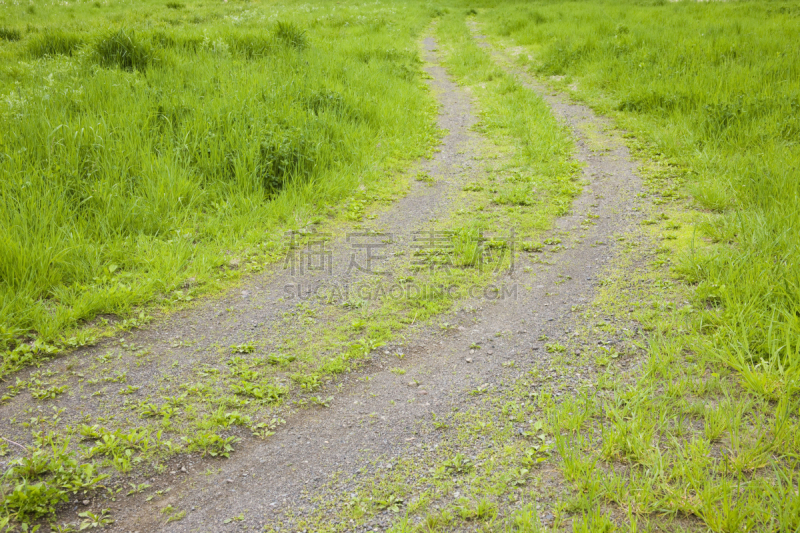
pixel 379 417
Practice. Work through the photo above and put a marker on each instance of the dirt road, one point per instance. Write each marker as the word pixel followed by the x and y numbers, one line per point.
pixel 379 418
pixel 399 416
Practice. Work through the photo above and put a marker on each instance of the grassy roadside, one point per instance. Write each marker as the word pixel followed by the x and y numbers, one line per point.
pixel 703 433
pixel 146 151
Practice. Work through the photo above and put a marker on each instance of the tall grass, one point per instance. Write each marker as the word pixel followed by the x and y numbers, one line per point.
pixel 716 86
pixel 10 34
pixel 123 50
pixel 137 156
pixel 53 43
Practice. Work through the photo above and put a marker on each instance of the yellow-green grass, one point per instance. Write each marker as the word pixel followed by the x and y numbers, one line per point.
pixel 716 88
pixel 703 435
pixel 144 145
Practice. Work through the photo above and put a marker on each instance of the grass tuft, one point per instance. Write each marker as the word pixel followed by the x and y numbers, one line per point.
pixel 54 43
pixel 10 34
pixel 115 189
pixel 250 45
pixel 123 50
pixel 291 35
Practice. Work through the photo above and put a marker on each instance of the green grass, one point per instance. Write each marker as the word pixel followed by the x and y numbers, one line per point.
pixel 144 146
pixel 704 435
pixel 715 87
pixel 151 151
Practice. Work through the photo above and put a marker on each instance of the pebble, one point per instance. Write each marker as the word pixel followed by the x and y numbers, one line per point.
pixel 229 480
pixel 469 359
pixel 86 502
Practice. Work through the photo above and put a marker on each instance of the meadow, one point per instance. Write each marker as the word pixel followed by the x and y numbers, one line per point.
pixel 145 147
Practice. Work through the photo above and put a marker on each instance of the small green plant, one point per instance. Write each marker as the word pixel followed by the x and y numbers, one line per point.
pixel 527 520
pixel 554 347
pixel 35 484
pixel 137 489
pixel 473 187
pixel 458 464
pixel 531 246
pixel 517 196
pixel 149 409
pixel 536 431
pixel 247 347
pixel 518 477
pixel 321 401
pixel 484 510
pixel 439 424
pixel 392 503
pixel 536 454
pixel 173 516
pixel 605 356
pixel 119 377
pixel 265 429
pixel 265 392
pixel 281 360
pixel 42 392
pixel 309 382
pixel 157 494
pixel 209 443
pixel 92 520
